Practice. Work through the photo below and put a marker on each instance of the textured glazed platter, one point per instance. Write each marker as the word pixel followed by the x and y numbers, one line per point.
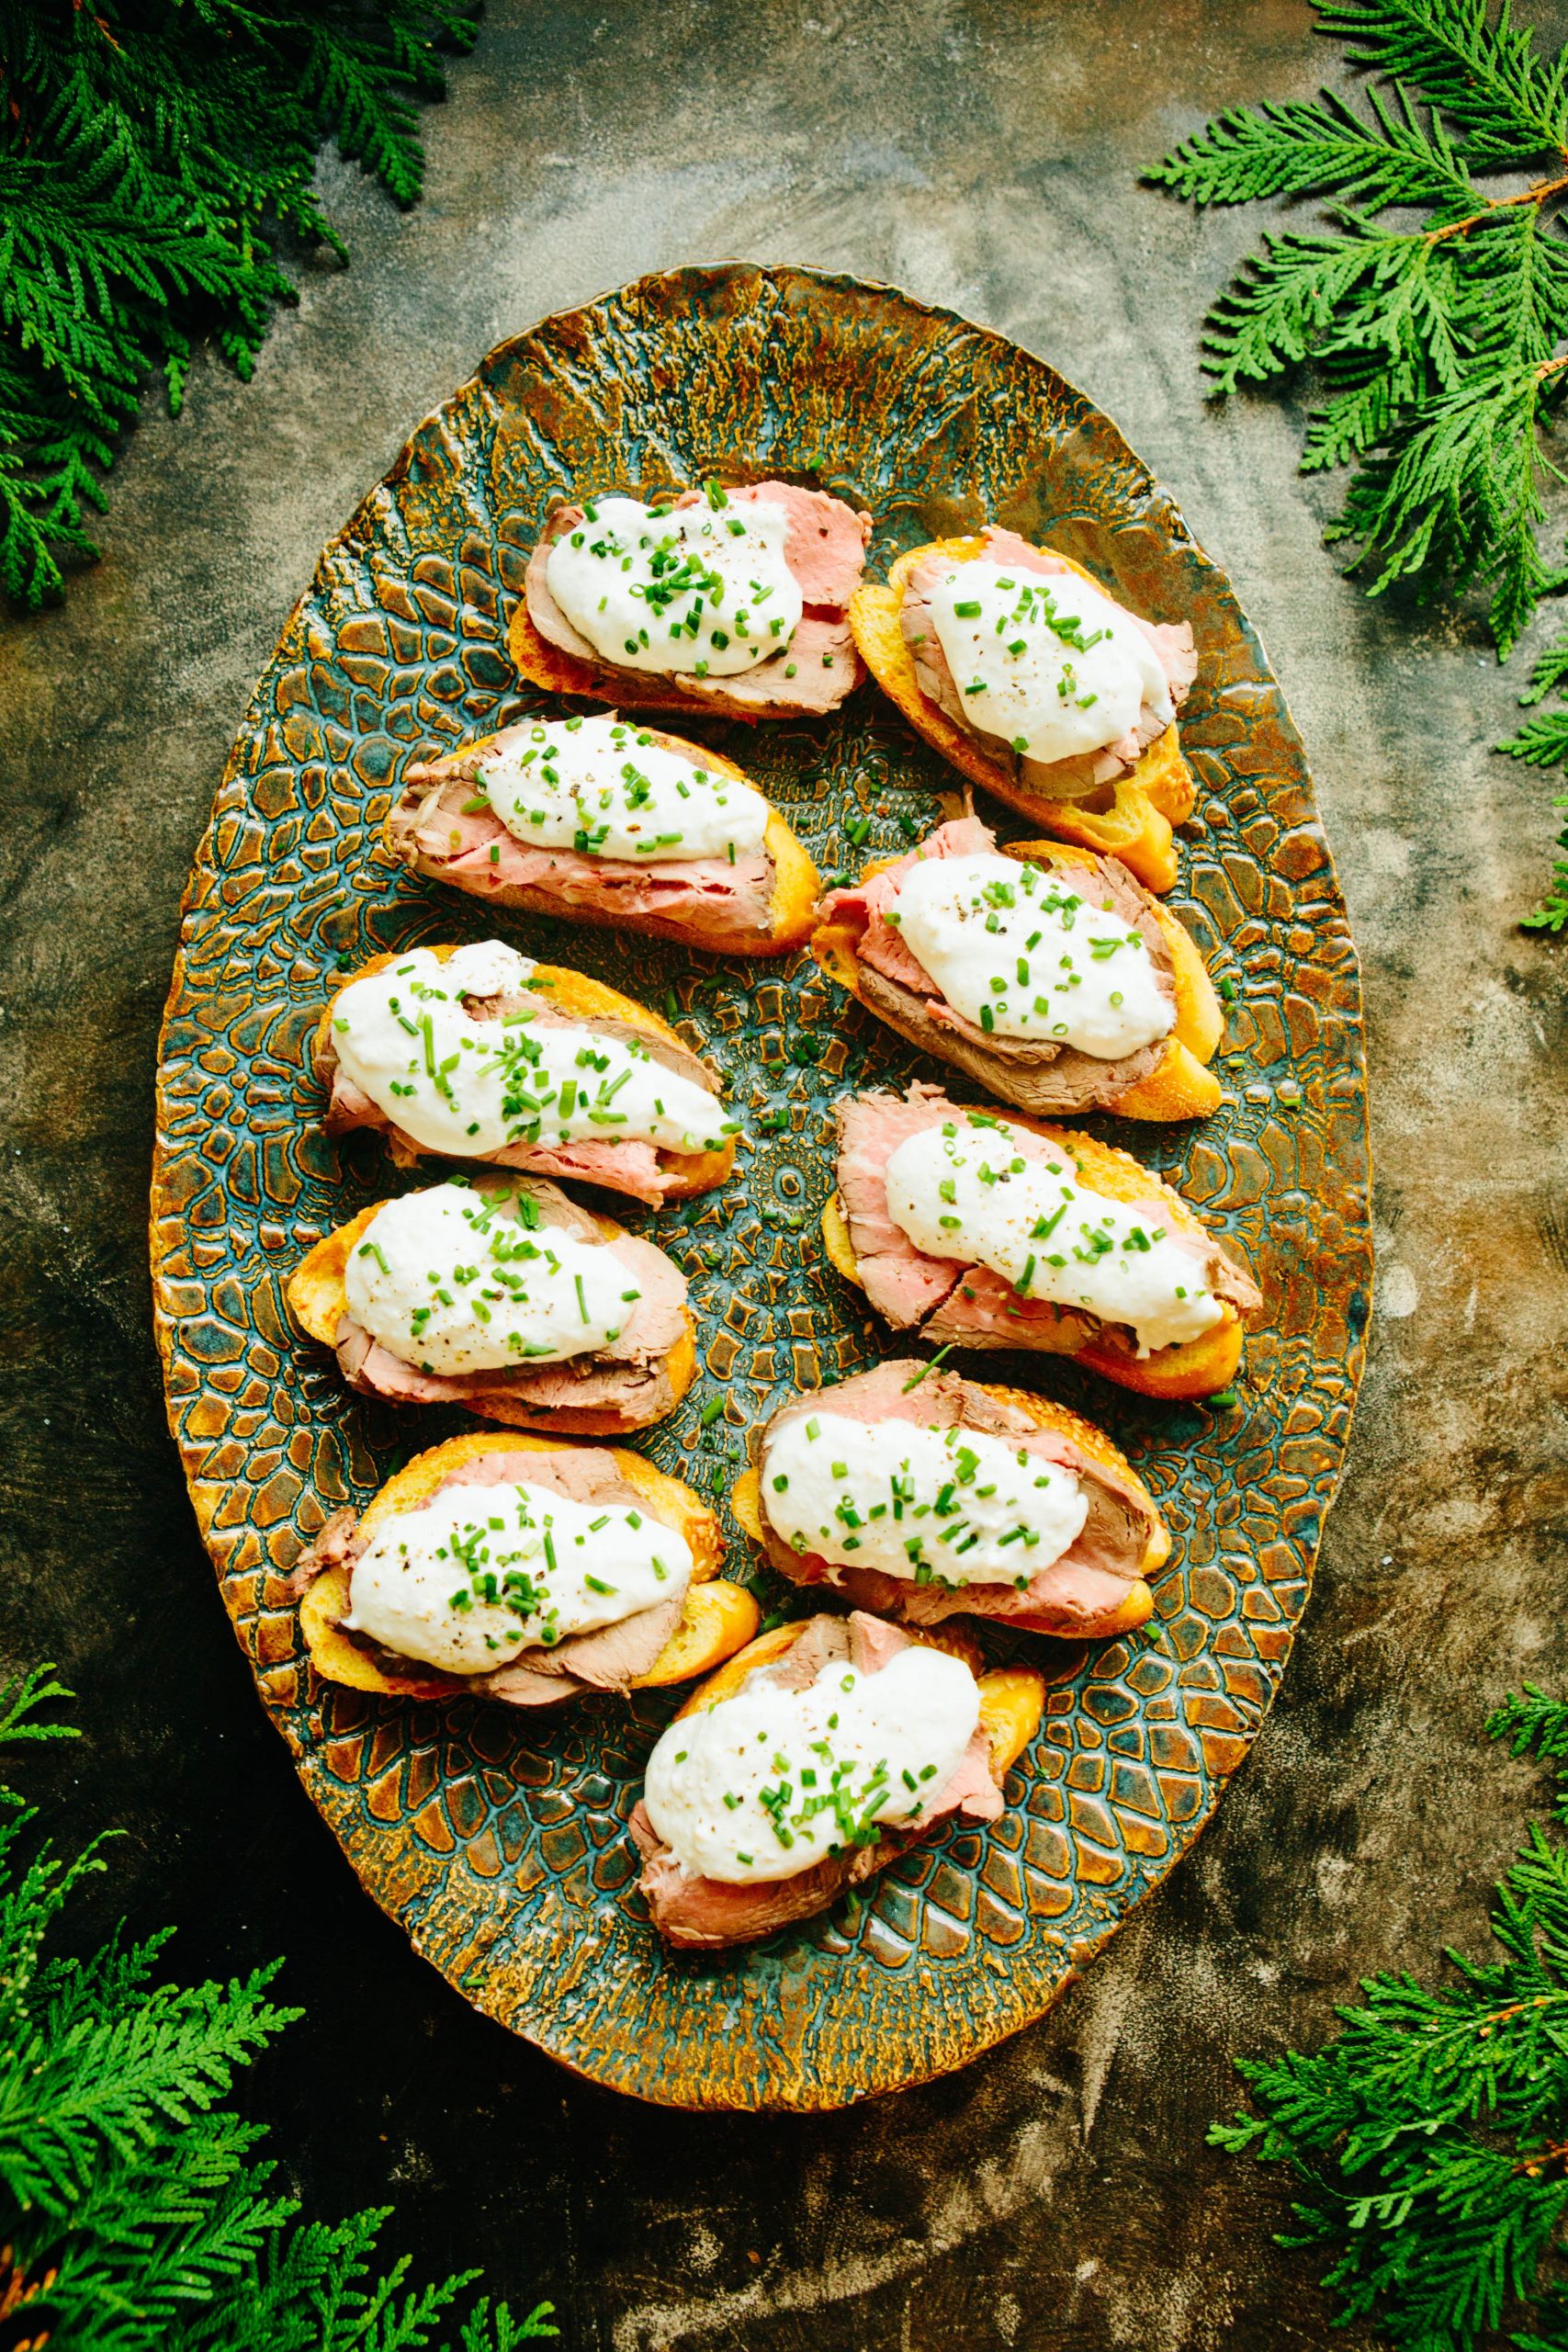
pixel 497 1842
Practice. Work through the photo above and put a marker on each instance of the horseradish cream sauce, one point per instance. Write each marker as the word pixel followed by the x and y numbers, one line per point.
pixel 1048 663
pixel 607 788
pixel 772 1781
pixel 703 589
pixel 1020 956
pixel 471 1087
pixel 964 1190
pixel 479 1573
pixel 951 1507
pixel 457 1281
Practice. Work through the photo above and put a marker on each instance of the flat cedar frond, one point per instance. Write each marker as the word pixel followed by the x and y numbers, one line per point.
pixel 1430 2136
pixel 1438 338
pixel 133 2211
pixel 151 151
pixel 1299 149
pixel 1483 74
pixel 24 1693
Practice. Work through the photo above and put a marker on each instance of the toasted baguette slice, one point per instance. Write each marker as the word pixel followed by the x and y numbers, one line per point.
pixel 832 664
pixel 1129 819
pixel 711 1914
pixel 1137 1604
pixel 716 1617
pixel 579 998
pixel 1195 1368
pixel 317 1296
pixel 1179 1087
pixel 795 883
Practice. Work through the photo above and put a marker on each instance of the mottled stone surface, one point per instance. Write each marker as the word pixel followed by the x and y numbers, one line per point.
pixel 1059 2194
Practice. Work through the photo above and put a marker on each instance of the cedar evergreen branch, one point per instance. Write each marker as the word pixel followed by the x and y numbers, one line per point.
pixel 134 2214
pixel 1430 2137
pixel 1432 303
pixel 153 155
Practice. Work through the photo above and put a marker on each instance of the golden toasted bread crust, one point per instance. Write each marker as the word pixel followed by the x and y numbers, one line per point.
pixel 1139 809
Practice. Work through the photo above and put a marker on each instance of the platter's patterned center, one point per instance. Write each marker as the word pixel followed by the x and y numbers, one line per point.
pixel 497 1840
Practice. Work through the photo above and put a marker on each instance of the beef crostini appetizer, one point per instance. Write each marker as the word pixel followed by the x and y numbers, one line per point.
pixel 810 1761
pixel 608 822
pixel 504 1295
pixel 924 1497
pixel 1015 665
pixel 976 1231
pixel 1048 975
pixel 479 1054
pixel 524 1571
pixel 735 601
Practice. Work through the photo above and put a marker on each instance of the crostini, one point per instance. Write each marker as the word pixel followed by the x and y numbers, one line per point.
pixel 502 1295
pixel 524 1571
pixel 478 1053
pixel 734 601
pixel 1048 975
pixel 610 824
pixel 1014 663
pixel 810 1761
pixel 921 1496
pixel 978 1231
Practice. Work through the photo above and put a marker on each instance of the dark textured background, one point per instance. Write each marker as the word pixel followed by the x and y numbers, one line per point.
pixel 1059 2194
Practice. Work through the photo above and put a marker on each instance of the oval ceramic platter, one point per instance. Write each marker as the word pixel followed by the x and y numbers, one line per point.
pixel 497 1842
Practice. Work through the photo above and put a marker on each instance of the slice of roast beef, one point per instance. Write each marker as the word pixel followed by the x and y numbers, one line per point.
pixel 433 829
pixel 1085 772
pixel 963 1305
pixel 1038 1074
pixel 628 1376
pixel 611 1659
pixel 1088 1582
pixel 705 1913
pixel 825 549
pixel 632 1168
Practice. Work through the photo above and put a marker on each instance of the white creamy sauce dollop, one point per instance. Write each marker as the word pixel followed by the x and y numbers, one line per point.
pixel 966 1190
pixel 479 1573
pixel 1047 663
pixel 607 788
pixel 471 1087
pixel 458 1281
pixel 772 1781
pixel 1018 953
pixel 951 1507
pixel 703 590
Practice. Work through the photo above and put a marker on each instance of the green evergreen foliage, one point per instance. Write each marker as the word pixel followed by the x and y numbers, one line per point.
pixel 1430 2136
pixel 1542 742
pixel 1431 303
pixel 153 155
pixel 134 2215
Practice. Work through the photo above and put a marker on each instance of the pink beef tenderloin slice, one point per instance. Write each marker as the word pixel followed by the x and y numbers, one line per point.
pixel 628 1374
pixel 705 1913
pixel 610 1659
pixel 825 549
pixel 1172 642
pixel 631 1168
pixel 1089 1581
pixel 953 1302
pixel 1045 1077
